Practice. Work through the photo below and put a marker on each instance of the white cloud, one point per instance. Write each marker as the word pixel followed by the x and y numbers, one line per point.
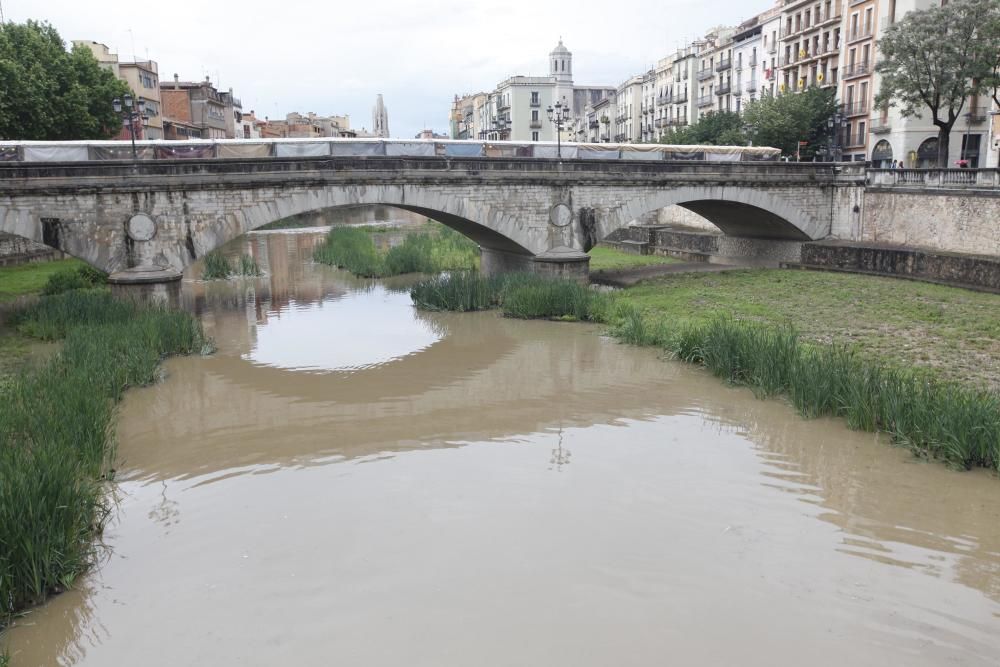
pixel 334 58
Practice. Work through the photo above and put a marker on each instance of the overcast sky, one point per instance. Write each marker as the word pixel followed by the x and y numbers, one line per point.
pixel 333 58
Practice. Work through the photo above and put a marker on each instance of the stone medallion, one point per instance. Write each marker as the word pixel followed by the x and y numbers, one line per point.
pixel 560 215
pixel 141 227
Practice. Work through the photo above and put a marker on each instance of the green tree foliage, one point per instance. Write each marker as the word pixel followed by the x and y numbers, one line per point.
pixel 719 128
pixel 934 60
pixel 781 121
pixel 47 92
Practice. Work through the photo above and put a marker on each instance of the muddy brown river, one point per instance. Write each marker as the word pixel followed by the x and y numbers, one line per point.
pixel 348 481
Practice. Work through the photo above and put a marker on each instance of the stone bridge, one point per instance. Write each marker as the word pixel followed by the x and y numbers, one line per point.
pixel 148 221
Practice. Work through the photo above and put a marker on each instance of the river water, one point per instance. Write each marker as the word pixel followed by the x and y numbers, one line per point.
pixel 349 481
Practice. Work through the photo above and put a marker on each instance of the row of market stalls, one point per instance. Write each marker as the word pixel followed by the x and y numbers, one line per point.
pixel 81 151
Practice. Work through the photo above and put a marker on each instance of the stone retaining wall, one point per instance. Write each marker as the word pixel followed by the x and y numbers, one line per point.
pixel 948 221
pixel 952 268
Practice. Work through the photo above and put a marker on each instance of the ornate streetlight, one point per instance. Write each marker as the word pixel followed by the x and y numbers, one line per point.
pixel 835 125
pixel 559 116
pixel 132 112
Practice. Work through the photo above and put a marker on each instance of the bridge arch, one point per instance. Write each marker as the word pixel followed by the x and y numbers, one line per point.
pixel 736 211
pixel 489 226
pixel 22 224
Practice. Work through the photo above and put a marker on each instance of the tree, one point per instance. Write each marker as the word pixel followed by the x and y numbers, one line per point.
pixel 782 121
pixel 937 58
pixel 719 128
pixel 49 93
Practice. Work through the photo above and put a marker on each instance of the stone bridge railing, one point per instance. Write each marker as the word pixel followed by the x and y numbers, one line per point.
pixel 935 178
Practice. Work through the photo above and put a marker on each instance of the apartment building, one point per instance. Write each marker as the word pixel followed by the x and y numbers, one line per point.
pixel 683 102
pixel 628 115
pixel 809 48
pixel 142 78
pixel 857 85
pixel 912 141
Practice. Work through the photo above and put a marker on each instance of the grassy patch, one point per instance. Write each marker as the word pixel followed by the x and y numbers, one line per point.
pixel 610 259
pixel 30 278
pixel 352 248
pixel 946 332
pixel 56 433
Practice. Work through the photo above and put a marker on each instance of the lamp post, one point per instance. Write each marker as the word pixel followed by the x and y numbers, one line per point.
pixel 835 124
pixel 558 116
pixel 133 111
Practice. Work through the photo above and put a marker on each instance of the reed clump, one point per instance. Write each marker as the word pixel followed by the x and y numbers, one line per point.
pixel 519 295
pixel 57 436
pixel 353 249
pixel 935 419
pixel 220 267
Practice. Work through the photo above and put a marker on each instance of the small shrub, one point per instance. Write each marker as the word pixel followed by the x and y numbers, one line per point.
pixel 82 277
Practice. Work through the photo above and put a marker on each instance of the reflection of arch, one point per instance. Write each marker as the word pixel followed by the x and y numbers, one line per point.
pixel 736 211
pixel 882 155
pixel 927 153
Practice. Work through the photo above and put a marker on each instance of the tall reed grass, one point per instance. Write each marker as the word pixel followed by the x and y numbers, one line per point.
pixel 220 267
pixel 353 249
pixel 57 436
pixel 935 419
pixel 520 295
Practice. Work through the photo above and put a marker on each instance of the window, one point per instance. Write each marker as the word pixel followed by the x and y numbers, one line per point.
pixel 534 136
pixel 534 97
pixel 534 115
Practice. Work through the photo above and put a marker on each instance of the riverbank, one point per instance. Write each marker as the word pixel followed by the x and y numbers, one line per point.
pixel 745 331
pixel 441 249
pixel 57 436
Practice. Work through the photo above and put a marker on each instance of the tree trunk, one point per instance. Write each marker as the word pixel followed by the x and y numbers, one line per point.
pixel 944 139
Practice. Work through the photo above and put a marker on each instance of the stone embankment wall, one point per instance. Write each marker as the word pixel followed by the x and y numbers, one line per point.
pixel 18 250
pixel 949 221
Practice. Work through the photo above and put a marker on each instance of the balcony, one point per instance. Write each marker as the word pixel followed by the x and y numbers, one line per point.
pixel 535 124
pixel 736 90
pixel 535 102
pixel 503 106
pixel 680 98
pixel 723 89
pixel 593 124
pixel 879 126
pixel 678 122
pixel 705 101
pixel 752 86
pixel 620 118
pixel 859 33
pixel 855 70
pixel 976 114
pixel 752 62
pixel 855 139
pixel 619 138
pixel 662 100
pixel 724 64
pixel 705 74
pixel 850 109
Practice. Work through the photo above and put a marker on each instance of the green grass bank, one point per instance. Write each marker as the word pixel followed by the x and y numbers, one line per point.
pixel 933 415
pixel 57 432
pixel 26 279
pixel 609 259
pixel 354 249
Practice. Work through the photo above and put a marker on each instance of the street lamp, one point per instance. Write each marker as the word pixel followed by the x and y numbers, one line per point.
pixel 558 116
pixel 835 124
pixel 134 110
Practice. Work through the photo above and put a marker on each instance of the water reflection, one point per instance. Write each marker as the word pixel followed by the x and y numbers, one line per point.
pixel 559 498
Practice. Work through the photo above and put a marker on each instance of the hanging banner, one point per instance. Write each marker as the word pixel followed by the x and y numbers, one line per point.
pixel 64 153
